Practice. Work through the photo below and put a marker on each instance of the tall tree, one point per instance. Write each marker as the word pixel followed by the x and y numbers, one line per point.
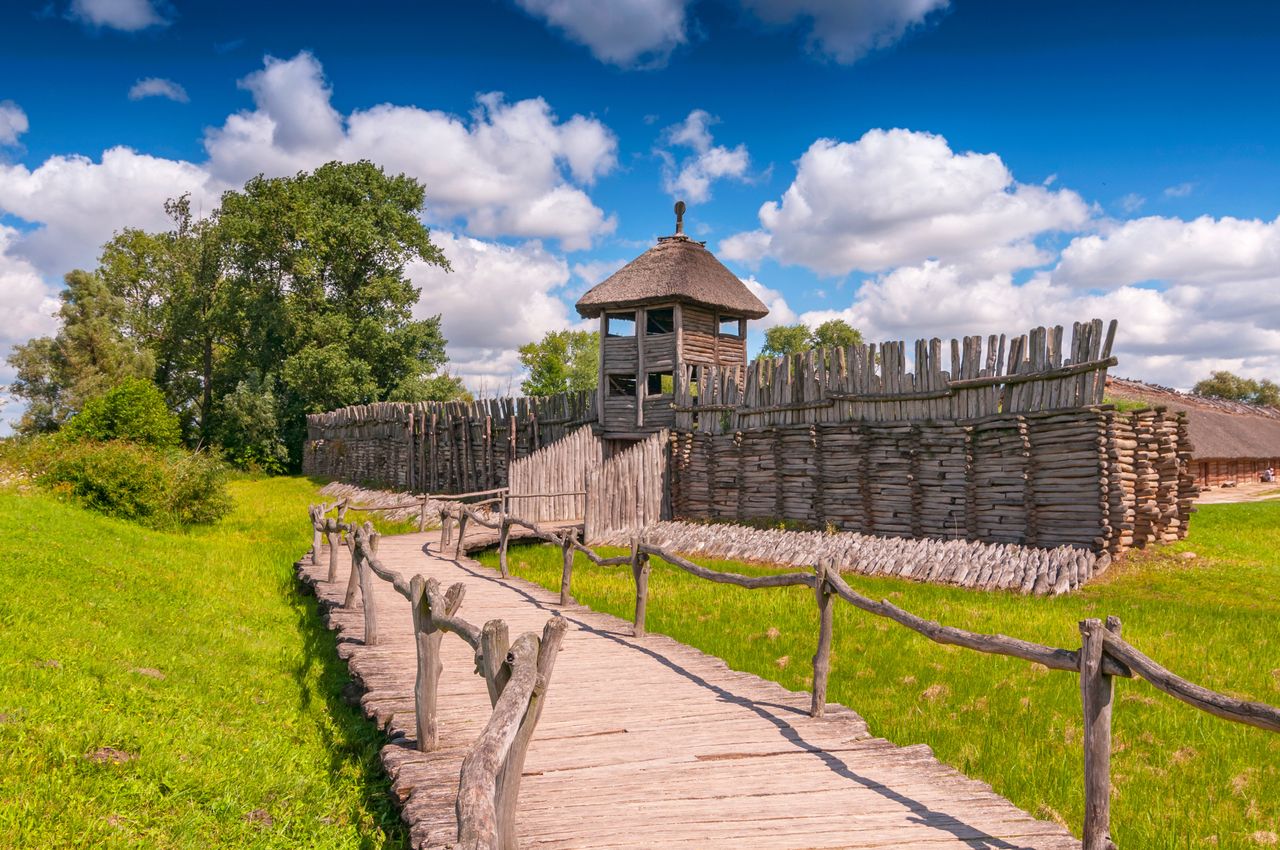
pixel 787 339
pixel 88 356
pixel 836 333
pixel 561 361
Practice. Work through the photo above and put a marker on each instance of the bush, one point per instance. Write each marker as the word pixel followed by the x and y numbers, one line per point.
pixel 134 411
pixel 156 487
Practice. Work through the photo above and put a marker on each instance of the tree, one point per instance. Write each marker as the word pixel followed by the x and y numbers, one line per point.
pixel 1231 386
pixel 562 361
pixel 836 333
pixel 88 356
pixel 780 340
pixel 134 411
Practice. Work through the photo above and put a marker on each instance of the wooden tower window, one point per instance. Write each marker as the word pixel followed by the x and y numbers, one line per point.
pixel 620 324
pixel 660 320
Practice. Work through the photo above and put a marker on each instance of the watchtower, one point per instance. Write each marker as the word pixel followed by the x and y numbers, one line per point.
pixel 674 305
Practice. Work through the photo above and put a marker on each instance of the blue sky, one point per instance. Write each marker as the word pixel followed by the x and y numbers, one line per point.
pixel 917 167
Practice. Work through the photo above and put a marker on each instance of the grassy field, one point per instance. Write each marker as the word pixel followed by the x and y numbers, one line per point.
pixel 174 689
pixel 1182 778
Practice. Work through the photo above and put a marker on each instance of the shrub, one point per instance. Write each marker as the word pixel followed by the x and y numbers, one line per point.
pixel 155 487
pixel 134 411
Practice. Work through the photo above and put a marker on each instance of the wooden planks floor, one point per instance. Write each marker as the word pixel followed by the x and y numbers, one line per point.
pixel 652 744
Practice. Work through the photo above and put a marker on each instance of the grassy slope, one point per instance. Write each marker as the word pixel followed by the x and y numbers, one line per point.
pixel 1183 778
pixel 244 742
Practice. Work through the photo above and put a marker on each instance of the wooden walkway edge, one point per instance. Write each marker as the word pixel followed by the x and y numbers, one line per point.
pixel 649 743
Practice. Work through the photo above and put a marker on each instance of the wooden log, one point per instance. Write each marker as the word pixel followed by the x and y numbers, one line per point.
pixel 463 516
pixel 508 783
pixel 494 644
pixel 364 543
pixel 749 582
pixel 566 570
pixel 331 533
pixel 822 657
pixel 504 539
pixel 353 581
pixel 1096 698
pixel 427 641
pixel 640 572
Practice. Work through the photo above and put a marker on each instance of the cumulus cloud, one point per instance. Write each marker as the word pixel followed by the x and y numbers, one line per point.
pixel 482 338
pixel 78 203
pixel 846 30
pixel 1203 251
pixel 13 122
pixel 158 87
pixel 126 15
pixel 691 177
pixel 29 308
pixel 897 197
pixel 626 33
pixel 514 169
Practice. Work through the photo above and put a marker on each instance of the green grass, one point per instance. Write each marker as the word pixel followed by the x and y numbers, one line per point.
pixel 244 742
pixel 1182 778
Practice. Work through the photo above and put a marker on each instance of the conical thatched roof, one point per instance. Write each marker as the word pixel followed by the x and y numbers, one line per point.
pixel 676 269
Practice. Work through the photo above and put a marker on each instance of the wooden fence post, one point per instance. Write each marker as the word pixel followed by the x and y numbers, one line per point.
pixel 331 531
pixel 353 581
pixel 566 570
pixel 462 533
pixel 495 641
pixel 1095 695
pixel 422 516
pixel 317 537
pixel 366 595
pixel 504 538
pixel 640 572
pixel 446 528
pixel 822 657
pixel 508 784
pixel 427 639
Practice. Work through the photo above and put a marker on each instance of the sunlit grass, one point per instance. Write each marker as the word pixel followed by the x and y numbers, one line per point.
pixel 1182 778
pixel 175 689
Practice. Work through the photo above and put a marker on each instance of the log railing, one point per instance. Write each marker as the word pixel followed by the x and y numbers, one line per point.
pixel 516 674
pixel 1103 656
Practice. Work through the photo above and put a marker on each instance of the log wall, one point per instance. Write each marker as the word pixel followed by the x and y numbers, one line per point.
pixel 550 484
pixel 434 447
pixel 1094 478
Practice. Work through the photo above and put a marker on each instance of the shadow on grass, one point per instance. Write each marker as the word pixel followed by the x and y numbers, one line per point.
pixel 351 739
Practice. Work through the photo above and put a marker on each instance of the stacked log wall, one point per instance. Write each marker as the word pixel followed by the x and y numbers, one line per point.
pixel 1093 478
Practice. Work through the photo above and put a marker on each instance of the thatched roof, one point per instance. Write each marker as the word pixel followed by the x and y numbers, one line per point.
pixel 676 269
pixel 1218 428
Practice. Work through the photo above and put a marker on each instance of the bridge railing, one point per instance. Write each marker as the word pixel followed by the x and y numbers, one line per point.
pixel 517 674
pixel 1103 655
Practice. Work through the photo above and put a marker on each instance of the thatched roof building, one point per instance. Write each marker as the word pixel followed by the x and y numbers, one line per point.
pixel 1231 441
pixel 677 269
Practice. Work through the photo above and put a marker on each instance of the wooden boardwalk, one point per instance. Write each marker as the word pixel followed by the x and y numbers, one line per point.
pixel 648 743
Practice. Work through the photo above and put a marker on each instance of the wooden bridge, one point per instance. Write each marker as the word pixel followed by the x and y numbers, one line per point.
pixel 648 743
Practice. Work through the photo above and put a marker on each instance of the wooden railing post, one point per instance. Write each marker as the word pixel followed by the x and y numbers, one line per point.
pixel 331 530
pixel 508 785
pixel 427 640
pixel 353 581
pixel 1095 695
pixel 366 594
pixel 462 533
pixel 504 539
pixel 495 641
pixel 822 657
pixel 446 528
pixel 566 569
pixel 640 572
pixel 317 536
pixel 422 516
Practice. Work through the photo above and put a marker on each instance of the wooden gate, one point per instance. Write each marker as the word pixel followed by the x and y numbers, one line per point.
pixel 629 490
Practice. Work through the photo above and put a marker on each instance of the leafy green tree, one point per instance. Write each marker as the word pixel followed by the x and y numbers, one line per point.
pixel 561 361
pixel 89 355
pixel 836 333
pixel 1231 386
pixel 787 339
pixel 426 387
pixel 134 411
pixel 249 426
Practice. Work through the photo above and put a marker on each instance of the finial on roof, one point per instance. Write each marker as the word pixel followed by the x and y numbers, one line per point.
pixel 679 217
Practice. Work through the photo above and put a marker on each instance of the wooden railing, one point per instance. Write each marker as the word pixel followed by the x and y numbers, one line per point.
pixel 1103 654
pixel 516 673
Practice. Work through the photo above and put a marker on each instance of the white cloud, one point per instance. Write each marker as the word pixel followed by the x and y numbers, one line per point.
pixel 158 87
pixel 127 15
pixel 511 170
pixel 79 203
pixel 13 122
pixel 486 277
pixel 898 197
pixel 709 162
pixel 846 30
pixel 1132 202
pixel 780 313
pixel 626 33
pixel 1200 252
pixel 29 308
pixel 1179 191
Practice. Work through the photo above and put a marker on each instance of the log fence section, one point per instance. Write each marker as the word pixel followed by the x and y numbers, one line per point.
pixel 516 674
pixel 629 491
pixel 870 382
pixel 1103 655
